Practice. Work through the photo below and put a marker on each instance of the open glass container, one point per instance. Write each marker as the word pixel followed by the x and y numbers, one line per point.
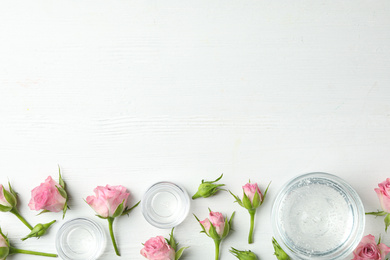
pixel 318 216
pixel 80 239
pixel 165 205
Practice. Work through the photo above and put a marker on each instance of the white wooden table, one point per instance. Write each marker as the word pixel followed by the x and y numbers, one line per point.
pixel 134 92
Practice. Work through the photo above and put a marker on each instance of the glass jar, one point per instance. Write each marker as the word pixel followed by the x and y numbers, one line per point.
pixel 80 239
pixel 318 216
pixel 165 204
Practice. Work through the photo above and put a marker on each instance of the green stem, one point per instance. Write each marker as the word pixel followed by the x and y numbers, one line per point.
pixel 110 222
pixel 16 213
pixel 13 250
pixel 250 237
pixel 217 243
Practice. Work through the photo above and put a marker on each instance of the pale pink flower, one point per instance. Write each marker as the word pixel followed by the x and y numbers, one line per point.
pixel 107 199
pixel 369 250
pixel 157 248
pixel 250 189
pixel 383 193
pixel 217 220
pixel 47 197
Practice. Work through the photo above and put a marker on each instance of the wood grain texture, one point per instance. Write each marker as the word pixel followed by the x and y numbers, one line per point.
pixel 182 91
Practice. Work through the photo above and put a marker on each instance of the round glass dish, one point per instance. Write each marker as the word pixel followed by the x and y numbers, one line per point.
pixel 318 216
pixel 80 239
pixel 165 204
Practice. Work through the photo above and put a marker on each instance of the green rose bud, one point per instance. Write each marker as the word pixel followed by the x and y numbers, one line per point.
pixel 208 188
pixel 39 230
pixel 279 253
pixel 243 255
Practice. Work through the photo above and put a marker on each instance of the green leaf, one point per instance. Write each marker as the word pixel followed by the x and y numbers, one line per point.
pixel 12 191
pixel 226 228
pixel 118 210
pixel 62 192
pixel 172 241
pixel 43 211
pixel 128 210
pixel 5 208
pixel 246 202
pixel 238 200
pixel 61 181
pixel 231 219
pixel 203 230
pixel 180 252
pixel 256 200
pixel 220 177
pixel 9 197
pixel 64 210
pixel 387 221
pixel 213 232
pixel 265 193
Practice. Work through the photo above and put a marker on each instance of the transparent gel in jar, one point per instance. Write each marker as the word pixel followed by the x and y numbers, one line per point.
pixel 80 239
pixel 318 216
pixel 165 205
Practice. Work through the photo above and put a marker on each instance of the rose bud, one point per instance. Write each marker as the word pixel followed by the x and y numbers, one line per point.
pixel 158 248
pixel 217 227
pixel 208 188
pixel 252 199
pixel 39 230
pixel 243 255
pixel 4 246
pixel 6 249
pixel 8 202
pixel 50 196
pixel 368 249
pixel 108 203
pixel 279 253
pixel 383 193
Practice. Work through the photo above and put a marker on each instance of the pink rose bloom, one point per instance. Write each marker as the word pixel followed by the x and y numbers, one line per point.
pixel 3 200
pixel 368 249
pixel 47 197
pixel 383 193
pixel 250 189
pixel 107 199
pixel 217 220
pixel 157 248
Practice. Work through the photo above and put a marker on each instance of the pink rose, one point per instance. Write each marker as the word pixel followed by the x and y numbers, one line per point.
pixel 3 200
pixel 4 247
pixel 217 220
pixel 368 249
pixel 107 199
pixel 157 248
pixel 250 189
pixel 47 197
pixel 383 193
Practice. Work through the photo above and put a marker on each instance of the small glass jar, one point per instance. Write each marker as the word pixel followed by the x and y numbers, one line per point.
pixel 318 216
pixel 80 239
pixel 165 205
